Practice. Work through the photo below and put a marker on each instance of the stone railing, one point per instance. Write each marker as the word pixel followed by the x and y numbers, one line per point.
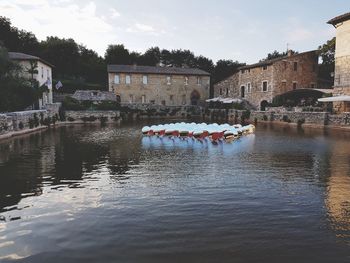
pixel 319 118
pixel 92 116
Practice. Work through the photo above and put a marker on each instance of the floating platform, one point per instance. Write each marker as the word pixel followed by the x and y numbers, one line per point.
pixel 215 132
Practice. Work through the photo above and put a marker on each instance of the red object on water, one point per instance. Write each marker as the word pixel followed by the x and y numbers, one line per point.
pixel 162 132
pixel 190 134
pixel 151 133
pixel 176 133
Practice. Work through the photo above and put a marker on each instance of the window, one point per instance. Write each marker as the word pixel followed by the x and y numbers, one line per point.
pixel 116 79
pixel 284 86
pixel 171 98
pixel 264 86
pixel 242 91
pixel 143 99
pixel 220 91
pixel 249 88
pixel 199 81
pixel 186 80
pixel 226 91
pixel 312 85
pixel 47 73
pixel 168 80
pixel 183 99
pixel 264 67
pixel 127 79
pixel 152 101
pixel 144 79
pixel 243 71
pixel 295 66
pixel 42 72
pixel 163 102
pixel 294 85
pixel 131 98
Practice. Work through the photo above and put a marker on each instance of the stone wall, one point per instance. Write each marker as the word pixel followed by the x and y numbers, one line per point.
pixel 5 124
pixel 319 118
pixel 92 116
pixel 227 88
pixel 158 91
pixel 21 119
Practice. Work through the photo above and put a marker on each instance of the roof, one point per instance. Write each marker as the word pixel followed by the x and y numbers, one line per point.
pixel 271 61
pixel 156 70
pixel 339 19
pixel 336 98
pixel 94 95
pixel 23 56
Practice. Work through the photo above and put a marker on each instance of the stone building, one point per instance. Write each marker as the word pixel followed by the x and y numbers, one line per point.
pixel 44 75
pixel 168 86
pixel 259 83
pixel 342 63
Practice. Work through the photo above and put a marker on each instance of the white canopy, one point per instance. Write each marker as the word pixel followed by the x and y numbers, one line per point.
pixel 335 99
pixel 224 100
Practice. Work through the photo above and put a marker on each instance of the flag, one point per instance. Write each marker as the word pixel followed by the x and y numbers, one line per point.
pixel 58 85
pixel 47 82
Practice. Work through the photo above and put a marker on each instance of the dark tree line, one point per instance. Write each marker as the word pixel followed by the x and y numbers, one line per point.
pixel 79 67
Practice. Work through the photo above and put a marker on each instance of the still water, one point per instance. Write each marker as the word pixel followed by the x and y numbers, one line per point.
pixel 92 194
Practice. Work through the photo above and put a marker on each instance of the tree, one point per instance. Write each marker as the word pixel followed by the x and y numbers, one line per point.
pixel 277 54
pixel 326 68
pixel 151 57
pixel 117 54
pixel 16 93
pixel 225 68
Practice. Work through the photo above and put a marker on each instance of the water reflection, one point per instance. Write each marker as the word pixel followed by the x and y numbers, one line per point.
pixel 114 192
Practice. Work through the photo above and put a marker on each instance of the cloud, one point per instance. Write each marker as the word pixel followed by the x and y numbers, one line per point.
pixel 52 18
pixel 144 29
pixel 114 13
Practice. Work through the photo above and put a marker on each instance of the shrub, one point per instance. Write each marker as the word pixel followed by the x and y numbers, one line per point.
pixel 265 118
pixel 70 119
pixel 285 118
pixel 103 120
pixel 70 103
pixel 90 119
pixel 107 105
pixel 36 119
pixel 31 123
pixel 20 125
pixel 47 121
pixel 301 122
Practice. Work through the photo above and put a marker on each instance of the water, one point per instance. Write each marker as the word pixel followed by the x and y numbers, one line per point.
pixel 91 194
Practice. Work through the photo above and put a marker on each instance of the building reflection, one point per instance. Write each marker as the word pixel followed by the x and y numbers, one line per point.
pixel 338 189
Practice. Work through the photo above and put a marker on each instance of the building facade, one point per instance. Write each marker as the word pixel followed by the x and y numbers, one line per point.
pixel 259 83
pixel 166 86
pixel 342 60
pixel 44 75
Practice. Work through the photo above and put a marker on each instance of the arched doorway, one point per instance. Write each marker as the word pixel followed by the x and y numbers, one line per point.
pixel 263 105
pixel 195 96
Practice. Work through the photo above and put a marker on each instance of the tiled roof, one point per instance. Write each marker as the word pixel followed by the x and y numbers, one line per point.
pixel 22 56
pixel 339 19
pixel 271 61
pixel 155 70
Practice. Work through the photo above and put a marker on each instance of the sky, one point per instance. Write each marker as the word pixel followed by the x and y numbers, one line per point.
pixel 239 30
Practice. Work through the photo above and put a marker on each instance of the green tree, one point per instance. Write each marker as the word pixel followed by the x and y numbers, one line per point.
pixel 225 68
pixel 326 68
pixel 117 54
pixel 16 93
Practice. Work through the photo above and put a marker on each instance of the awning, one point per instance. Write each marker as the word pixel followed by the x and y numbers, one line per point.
pixel 224 100
pixel 335 99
